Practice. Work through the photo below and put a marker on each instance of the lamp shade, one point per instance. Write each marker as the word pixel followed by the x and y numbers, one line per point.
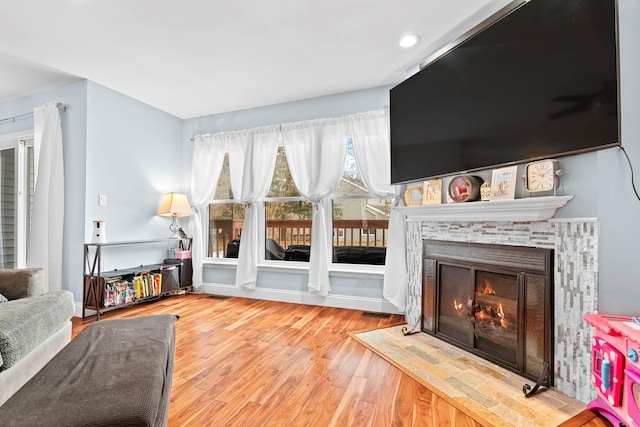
pixel 175 205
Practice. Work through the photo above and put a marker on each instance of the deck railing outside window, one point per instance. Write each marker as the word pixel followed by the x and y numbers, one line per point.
pixel 372 233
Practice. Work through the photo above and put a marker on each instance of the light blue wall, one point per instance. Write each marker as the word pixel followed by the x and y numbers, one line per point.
pixel 321 107
pixel 134 156
pixel 607 192
pixel 74 130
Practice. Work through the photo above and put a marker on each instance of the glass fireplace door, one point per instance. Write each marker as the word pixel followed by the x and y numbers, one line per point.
pixel 495 314
pixel 455 301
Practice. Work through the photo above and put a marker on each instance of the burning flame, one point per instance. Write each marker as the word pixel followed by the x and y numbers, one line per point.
pixel 500 312
pixel 488 289
pixel 494 315
pixel 484 310
pixel 457 306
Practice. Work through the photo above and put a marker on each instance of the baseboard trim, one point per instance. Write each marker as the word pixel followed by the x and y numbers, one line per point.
pixel 338 301
pixel 87 312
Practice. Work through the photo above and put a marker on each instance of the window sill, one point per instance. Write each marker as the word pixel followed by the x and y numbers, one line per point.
pixel 354 270
pixel 357 270
pixel 221 262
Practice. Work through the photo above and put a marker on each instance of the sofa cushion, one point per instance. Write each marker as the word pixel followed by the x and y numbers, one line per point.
pixel 22 282
pixel 27 322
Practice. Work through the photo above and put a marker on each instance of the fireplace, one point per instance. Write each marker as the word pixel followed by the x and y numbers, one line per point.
pixel 492 300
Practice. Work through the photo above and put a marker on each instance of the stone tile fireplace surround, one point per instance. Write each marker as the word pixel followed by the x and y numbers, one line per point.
pixel 575 245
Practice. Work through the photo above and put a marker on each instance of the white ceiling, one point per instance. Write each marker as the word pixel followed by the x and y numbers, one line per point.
pixel 198 57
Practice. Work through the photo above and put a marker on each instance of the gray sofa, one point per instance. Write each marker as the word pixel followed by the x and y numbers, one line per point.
pixel 34 326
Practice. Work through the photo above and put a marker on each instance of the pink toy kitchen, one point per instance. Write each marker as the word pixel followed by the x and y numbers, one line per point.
pixel 615 368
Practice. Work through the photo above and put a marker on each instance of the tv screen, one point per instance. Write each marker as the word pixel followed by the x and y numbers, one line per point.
pixel 540 82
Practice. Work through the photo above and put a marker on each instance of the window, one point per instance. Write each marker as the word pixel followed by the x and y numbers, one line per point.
pixel 16 198
pixel 369 232
pixel 226 218
pixel 360 221
pixel 287 215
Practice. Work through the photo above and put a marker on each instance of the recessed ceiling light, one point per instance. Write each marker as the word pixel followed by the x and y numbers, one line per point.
pixel 409 40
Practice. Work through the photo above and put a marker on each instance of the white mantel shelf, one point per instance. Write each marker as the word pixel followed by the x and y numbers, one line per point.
pixel 518 210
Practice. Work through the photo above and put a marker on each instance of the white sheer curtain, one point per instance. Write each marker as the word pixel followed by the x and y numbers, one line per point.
pixel 315 154
pixel 47 217
pixel 252 158
pixel 370 137
pixel 208 156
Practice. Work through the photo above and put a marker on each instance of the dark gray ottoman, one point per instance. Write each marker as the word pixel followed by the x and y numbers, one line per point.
pixel 114 373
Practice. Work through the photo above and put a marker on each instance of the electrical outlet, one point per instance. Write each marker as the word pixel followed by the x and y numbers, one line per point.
pixel 102 200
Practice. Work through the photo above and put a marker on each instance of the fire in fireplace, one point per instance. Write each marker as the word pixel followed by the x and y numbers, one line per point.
pixel 494 301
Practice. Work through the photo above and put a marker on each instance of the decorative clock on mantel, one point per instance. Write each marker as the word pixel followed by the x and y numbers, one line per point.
pixel 543 175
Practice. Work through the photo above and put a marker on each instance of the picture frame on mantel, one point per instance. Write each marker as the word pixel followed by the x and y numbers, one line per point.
pixel 503 183
pixel 432 192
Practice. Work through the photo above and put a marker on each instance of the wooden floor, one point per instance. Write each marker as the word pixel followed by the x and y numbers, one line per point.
pixel 243 362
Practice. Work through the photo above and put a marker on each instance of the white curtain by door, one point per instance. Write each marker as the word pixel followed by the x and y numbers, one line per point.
pixel 252 158
pixel 370 137
pixel 47 218
pixel 208 156
pixel 315 153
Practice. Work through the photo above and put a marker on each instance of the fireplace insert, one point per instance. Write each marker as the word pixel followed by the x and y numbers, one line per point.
pixel 493 301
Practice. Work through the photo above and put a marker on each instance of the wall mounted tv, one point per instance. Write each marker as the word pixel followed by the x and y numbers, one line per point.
pixel 540 82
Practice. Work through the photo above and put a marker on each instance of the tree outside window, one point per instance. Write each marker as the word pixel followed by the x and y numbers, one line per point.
pixel 288 217
pixel 226 218
pixel 360 221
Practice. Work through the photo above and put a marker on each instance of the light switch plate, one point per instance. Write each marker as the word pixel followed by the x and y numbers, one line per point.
pixel 102 200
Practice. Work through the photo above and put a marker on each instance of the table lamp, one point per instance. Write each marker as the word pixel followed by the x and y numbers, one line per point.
pixel 174 205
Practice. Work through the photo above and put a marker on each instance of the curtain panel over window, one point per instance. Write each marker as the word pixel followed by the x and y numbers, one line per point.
pixel 252 157
pixel 47 221
pixel 371 143
pixel 315 154
pixel 208 155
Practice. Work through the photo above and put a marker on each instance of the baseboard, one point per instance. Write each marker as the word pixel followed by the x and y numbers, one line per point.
pixel 78 312
pixel 339 301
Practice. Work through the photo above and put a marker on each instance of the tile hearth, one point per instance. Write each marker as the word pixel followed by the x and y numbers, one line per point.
pixel 489 394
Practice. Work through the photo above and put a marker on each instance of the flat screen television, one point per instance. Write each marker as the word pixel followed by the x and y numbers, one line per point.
pixel 540 82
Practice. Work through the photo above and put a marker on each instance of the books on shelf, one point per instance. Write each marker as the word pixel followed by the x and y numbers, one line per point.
pixel 118 291
pixel 121 290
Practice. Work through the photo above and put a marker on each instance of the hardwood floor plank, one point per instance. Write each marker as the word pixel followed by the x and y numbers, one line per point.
pixel 363 415
pixel 403 407
pixel 385 406
pixel 378 369
pixel 318 399
pixel 327 408
pixel 344 414
pixel 302 393
pixel 243 417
